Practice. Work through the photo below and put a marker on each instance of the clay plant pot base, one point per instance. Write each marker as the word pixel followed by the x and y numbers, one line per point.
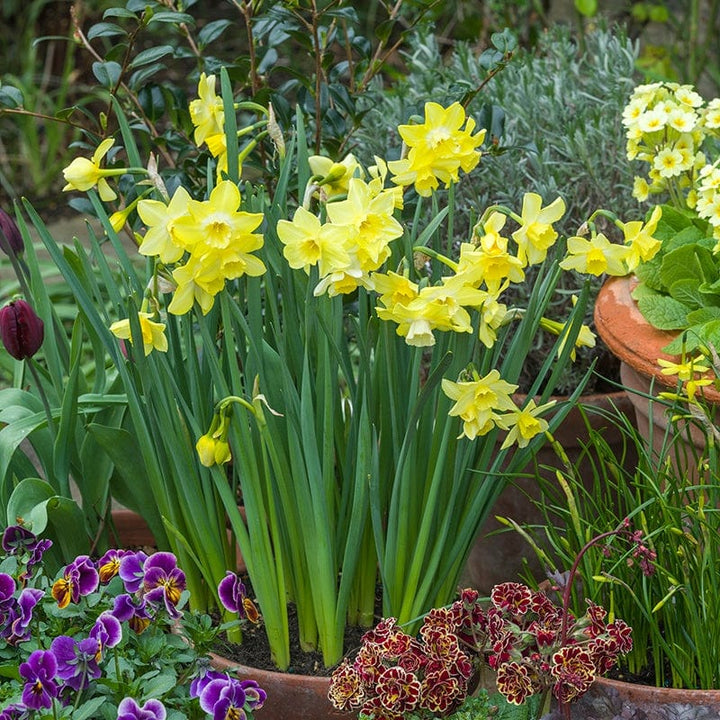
pixel 615 700
pixel 301 697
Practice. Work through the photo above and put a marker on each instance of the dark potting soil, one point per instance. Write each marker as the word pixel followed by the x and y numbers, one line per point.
pixel 254 650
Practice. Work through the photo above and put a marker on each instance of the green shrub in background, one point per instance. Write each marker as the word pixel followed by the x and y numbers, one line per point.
pixel 555 112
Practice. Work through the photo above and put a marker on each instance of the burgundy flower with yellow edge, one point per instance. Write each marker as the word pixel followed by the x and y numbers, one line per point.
pixel 515 682
pixel 575 672
pixel 619 630
pixel 39 673
pixel 21 330
pixel 233 596
pixel 346 687
pixel 512 597
pixel 163 582
pixel 441 690
pixel 373 707
pixel 79 578
pixel 398 689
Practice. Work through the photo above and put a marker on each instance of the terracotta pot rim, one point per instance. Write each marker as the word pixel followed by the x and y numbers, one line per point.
pixel 227 664
pixel 672 694
pixel 630 337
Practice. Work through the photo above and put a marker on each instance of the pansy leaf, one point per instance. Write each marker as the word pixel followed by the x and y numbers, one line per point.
pixel 89 709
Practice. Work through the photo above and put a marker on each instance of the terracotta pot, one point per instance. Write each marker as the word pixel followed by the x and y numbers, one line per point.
pixel 615 700
pixel 301 697
pixel 499 557
pixel 639 345
pixel 131 529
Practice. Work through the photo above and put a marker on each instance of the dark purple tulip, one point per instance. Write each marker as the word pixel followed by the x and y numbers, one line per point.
pixel 76 660
pixel 163 581
pixel 128 709
pixel 16 629
pixel 79 578
pixel 11 242
pixel 223 698
pixel 21 330
pixel 39 672
pixel 133 611
pixel 233 596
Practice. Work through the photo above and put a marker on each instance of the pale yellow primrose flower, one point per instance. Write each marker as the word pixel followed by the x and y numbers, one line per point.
pixel 595 256
pixel 83 174
pixel 153 333
pixel 160 220
pixel 439 149
pixel 206 112
pixel 536 234
pixel 309 242
pixel 479 402
pixel 524 424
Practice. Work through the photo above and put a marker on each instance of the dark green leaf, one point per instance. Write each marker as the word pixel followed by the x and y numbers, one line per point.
pixel 107 73
pixel 151 55
pixel 10 96
pixel 105 29
pixel 172 17
pixel 504 41
pixel 119 12
pixel 212 31
pixel 139 78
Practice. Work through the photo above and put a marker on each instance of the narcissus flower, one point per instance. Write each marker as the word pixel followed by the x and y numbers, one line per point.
pixel 536 234
pixel 524 423
pixel 153 333
pixel 595 256
pixel 83 174
pixel 206 112
pixel 160 220
pixel 439 149
pixel 21 330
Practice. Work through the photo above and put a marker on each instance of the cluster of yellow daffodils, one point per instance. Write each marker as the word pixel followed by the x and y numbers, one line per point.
pixel 485 403
pixel 437 149
pixel 598 255
pixel 666 126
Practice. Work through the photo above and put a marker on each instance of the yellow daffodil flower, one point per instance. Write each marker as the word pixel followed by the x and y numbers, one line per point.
pixel 153 333
pixel 478 402
pixel 595 256
pixel 206 113
pixel 685 369
pixel 83 174
pixel 524 424
pixel 309 242
pixel 334 177
pixel 438 149
pixel 641 245
pixel 160 220
pixel 536 233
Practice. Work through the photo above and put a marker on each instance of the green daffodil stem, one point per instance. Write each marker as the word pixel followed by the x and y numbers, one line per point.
pixel 496 208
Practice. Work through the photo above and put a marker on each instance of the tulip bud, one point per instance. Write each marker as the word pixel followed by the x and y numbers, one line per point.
pixel 11 242
pixel 21 330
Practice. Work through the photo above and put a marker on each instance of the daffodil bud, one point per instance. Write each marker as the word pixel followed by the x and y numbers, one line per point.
pixel 11 242
pixel 21 330
pixel 206 450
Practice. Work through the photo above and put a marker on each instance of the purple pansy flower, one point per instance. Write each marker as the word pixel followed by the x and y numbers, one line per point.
pixel 128 709
pixel 109 564
pixel 107 632
pixel 39 673
pixel 233 596
pixel 79 578
pixel 198 684
pixel 17 540
pixel 224 698
pixel 133 611
pixel 16 625
pixel 16 711
pixel 77 660
pixel 7 591
pixel 131 570
pixel 163 581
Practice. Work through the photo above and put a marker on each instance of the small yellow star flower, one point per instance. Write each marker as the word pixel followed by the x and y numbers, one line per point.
pixel 640 243
pixel 153 333
pixel 685 370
